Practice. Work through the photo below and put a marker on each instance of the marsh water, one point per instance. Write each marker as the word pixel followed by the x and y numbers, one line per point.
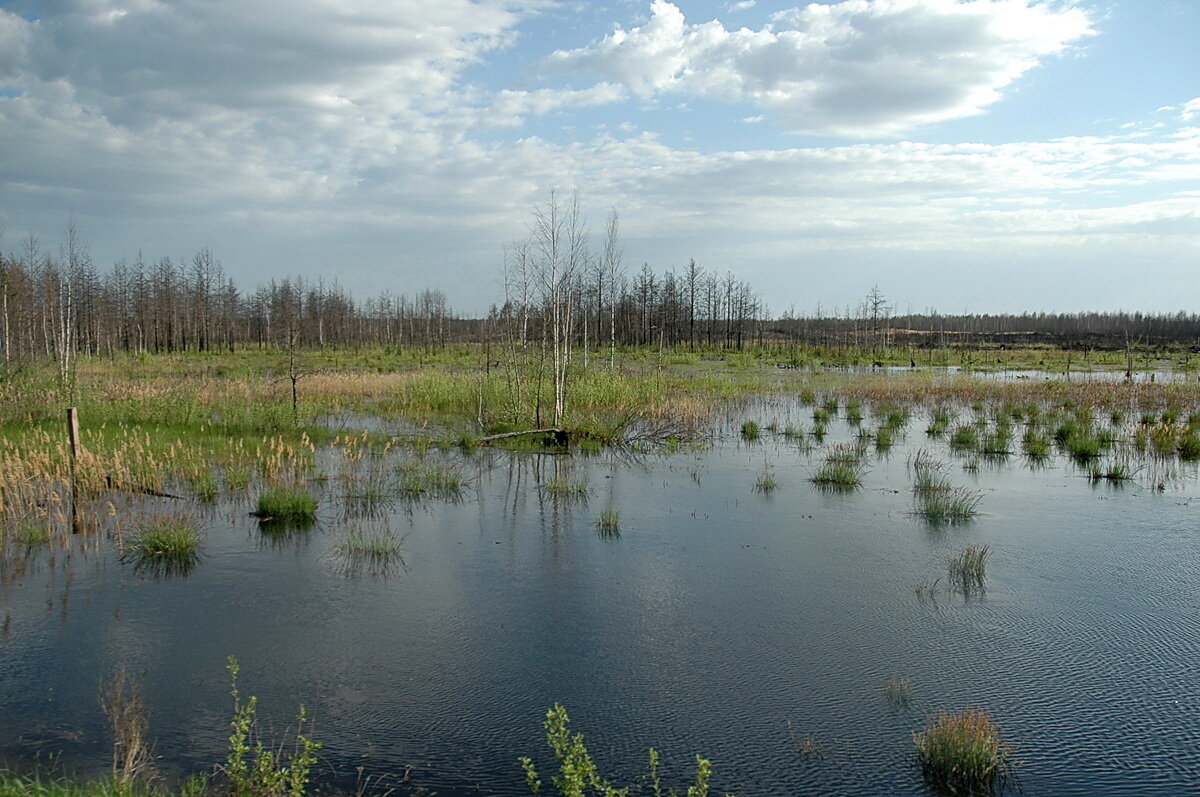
pixel 756 628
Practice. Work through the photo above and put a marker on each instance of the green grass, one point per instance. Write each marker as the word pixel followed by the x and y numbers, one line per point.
pixel 854 413
pixel 838 475
pixel 41 785
pixel 203 485
pixel 32 535
pixel 765 482
pixel 962 753
pixel 1082 446
pixel 609 522
pixel 968 567
pixel 898 691
pixel 287 504
pixel 750 431
pixel 944 504
pixel 567 488
pixel 165 545
pixel 377 551
pixel 965 438
pixel 1035 444
pixel 421 480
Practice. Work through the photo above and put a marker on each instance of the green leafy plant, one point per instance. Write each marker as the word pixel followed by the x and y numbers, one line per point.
pixel 251 767
pixel 578 774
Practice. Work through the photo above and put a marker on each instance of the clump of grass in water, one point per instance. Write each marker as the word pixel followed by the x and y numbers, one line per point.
pixel 237 476
pixel 609 522
pixel 765 482
pixel 419 480
pixel 968 568
pixel 962 753
pixel 378 551
pixel 1036 444
pixel 838 475
pixel 792 432
pixel 569 488
pixel 941 503
pixel 31 535
pixel 203 485
pixel 965 438
pixel 750 431
pixel 898 691
pixel 1083 447
pixel 165 545
pixel 287 504
pixel 939 422
pixel 842 468
pixel 1188 447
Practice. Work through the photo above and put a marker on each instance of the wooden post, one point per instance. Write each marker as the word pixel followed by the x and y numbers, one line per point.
pixel 73 436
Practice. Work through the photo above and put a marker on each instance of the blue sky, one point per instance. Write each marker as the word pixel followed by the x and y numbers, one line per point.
pixel 963 155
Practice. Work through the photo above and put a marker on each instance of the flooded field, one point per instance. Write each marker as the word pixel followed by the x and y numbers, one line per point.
pixel 708 599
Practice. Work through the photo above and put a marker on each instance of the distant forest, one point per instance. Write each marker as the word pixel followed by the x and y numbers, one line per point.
pixel 51 302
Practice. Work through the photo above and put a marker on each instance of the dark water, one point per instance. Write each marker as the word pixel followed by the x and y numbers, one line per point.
pixel 720 621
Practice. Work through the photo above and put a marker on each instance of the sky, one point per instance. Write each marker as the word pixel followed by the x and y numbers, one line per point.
pixel 962 155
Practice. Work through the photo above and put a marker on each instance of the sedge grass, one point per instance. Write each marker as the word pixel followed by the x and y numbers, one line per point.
pixel 166 545
pixel 968 568
pixel 287 504
pixel 375 551
pixel 898 691
pixel 566 487
pixel 838 475
pixel 426 480
pixel 941 503
pixel 608 524
pixel 962 753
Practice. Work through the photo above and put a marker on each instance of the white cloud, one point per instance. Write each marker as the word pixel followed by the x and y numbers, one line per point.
pixel 352 132
pixel 510 108
pixel 857 67
pixel 742 5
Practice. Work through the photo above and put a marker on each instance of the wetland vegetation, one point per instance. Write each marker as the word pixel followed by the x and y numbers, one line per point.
pixel 385 457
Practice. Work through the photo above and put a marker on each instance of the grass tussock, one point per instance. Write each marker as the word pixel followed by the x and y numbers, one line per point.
pixel 287 505
pixel 375 551
pixel 609 522
pixel 941 503
pixel 962 753
pixel 968 568
pixel 566 487
pixel 431 480
pixel 898 691
pixel 167 545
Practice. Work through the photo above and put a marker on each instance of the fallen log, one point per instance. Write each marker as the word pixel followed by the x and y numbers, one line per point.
pixel 560 435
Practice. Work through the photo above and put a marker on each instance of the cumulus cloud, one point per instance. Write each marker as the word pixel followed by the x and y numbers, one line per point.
pixel 356 132
pixel 856 68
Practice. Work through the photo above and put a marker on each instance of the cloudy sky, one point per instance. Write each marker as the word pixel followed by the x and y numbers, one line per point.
pixel 963 155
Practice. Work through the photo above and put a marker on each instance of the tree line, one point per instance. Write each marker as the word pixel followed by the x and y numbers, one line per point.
pixel 56 303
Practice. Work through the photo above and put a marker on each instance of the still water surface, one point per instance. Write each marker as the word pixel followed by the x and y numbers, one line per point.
pixel 720 621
